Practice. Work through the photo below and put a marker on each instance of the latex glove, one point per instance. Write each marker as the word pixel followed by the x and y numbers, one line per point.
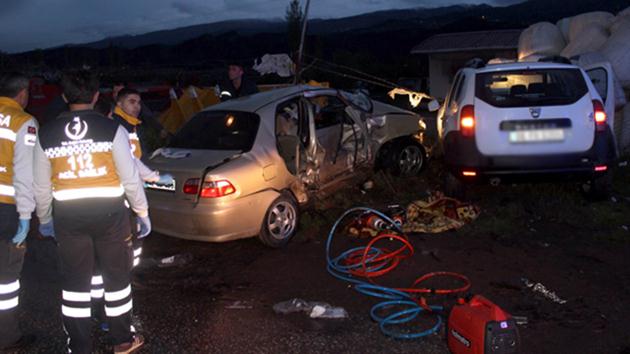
pixel 47 229
pixel 166 179
pixel 22 231
pixel 144 226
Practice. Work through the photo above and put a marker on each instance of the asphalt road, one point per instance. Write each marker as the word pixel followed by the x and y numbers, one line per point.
pixel 221 302
pixel 221 299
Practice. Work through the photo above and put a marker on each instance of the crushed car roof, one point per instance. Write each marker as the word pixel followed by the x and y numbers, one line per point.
pixel 255 102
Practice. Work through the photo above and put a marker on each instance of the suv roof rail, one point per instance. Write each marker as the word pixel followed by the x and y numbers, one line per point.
pixel 555 59
pixel 475 63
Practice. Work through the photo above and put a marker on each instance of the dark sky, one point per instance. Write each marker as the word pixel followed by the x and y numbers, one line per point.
pixel 29 24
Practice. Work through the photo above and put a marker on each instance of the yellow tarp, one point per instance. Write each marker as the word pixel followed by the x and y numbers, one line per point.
pixel 193 100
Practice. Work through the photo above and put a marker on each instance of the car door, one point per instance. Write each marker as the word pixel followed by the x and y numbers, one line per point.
pixel 330 120
pixel 447 115
pixel 296 142
pixel 602 77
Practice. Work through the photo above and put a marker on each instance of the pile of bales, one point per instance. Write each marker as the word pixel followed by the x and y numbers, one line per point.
pixel 587 39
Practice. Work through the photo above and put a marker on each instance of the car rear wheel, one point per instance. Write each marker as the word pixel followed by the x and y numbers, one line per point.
pixel 280 223
pixel 407 159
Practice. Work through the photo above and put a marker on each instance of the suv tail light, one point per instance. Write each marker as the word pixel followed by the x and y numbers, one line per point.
pixel 467 120
pixel 600 115
pixel 209 189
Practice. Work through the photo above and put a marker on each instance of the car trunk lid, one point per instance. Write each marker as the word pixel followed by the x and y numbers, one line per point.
pixel 184 165
pixel 533 112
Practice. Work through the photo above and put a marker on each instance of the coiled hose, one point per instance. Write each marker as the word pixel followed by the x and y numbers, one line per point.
pixel 398 306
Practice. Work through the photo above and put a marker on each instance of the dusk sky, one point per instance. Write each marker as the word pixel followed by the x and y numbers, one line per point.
pixel 30 24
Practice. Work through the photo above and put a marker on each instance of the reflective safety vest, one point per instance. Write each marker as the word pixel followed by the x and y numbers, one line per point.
pixel 79 147
pixel 131 125
pixel 12 118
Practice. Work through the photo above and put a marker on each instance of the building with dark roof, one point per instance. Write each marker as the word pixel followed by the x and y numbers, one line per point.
pixel 448 52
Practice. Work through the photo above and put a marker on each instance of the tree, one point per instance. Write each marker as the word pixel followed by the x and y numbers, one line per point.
pixel 294 17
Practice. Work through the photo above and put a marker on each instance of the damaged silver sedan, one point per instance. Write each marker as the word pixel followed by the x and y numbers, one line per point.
pixel 242 168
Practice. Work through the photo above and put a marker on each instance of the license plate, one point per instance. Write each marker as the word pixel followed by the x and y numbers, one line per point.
pixel 537 136
pixel 161 187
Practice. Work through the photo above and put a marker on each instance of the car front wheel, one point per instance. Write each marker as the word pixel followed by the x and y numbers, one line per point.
pixel 280 223
pixel 407 159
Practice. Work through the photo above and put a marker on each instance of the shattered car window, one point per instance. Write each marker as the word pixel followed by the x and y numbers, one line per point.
pixel 329 111
pixel 218 130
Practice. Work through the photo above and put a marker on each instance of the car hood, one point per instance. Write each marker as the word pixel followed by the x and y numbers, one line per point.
pixel 171 159
pixel 381 108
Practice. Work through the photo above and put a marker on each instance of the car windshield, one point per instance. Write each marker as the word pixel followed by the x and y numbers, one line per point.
pixel 359 99
pixel 535 87
pixel 218 130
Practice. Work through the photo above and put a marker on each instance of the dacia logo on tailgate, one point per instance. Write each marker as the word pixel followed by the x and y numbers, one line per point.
pixel 535 112
pixel 77 129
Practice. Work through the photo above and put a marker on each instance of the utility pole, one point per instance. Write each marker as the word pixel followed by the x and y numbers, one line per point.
pixel 298 66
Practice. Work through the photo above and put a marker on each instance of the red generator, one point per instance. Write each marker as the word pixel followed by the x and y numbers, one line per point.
pixel 481 327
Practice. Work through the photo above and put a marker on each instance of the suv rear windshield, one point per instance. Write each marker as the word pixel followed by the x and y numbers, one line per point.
pixel 538 87
pixel 218 130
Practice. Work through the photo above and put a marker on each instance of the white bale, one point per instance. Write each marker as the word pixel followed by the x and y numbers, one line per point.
pixel 563 26
pixel 532 58
pixel 617 51
pixel 624 12
pixel 580 22
pixel 589 40
pixel 541 38
pixel 619 22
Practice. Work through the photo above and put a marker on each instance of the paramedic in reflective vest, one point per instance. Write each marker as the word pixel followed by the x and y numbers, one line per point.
pixel 83 170
pixel 105 107
pixel 18 132
pixel 126 113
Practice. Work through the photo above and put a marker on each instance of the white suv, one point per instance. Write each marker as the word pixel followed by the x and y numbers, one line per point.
pixel 521 121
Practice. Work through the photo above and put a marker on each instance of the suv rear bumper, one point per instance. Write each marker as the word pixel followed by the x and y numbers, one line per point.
pixel 461 154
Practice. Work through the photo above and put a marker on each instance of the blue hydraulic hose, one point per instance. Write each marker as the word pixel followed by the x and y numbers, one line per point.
pixel 391 297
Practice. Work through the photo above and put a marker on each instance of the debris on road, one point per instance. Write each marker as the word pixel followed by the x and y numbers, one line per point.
pixel 315 309
pixel 539 288
pixel 176 260
pixel 320 311
pixel 240 305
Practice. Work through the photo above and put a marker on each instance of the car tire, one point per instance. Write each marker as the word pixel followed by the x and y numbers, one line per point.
pixel 453 187
pixel 281 222
pixel 598 188
pixel 407 158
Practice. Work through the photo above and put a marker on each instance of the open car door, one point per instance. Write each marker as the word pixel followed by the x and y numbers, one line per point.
pixel 602 77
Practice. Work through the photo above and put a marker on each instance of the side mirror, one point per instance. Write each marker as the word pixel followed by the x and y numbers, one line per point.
pixel 434 105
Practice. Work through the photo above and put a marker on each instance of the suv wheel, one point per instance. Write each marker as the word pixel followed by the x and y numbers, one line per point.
pixel 280 223
pixel 453 187
pixel 407 159
pixel 598 188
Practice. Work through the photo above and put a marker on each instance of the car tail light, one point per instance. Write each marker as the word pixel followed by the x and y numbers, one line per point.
pixel 191 186
pixel 601 168
pixel 469 173
pixel 600 115
pixel 216 189
pixel 467 120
